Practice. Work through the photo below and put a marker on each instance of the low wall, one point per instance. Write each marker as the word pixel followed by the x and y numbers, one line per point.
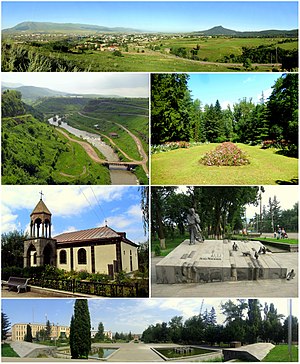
pixel 293 248
pixel 49 352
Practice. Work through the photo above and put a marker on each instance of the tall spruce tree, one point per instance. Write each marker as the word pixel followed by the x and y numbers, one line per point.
pixel 5 325
pixel 80 330
pixel 170 108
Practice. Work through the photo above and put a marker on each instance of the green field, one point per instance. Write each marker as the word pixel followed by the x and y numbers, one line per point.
pixel 281 354
pixel 182 167
pixel 141 59
pixel 215 49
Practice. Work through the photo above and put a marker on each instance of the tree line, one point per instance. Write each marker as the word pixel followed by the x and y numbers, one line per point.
pixel 273 215
pixel 175 116
pixel 221 209
pixel 247 321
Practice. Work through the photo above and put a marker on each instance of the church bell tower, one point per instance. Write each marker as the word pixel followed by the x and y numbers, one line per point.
pixel 40 248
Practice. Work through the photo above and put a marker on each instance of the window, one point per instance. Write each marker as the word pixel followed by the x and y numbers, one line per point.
pixel 62 257
pixel 34 258
pixel 81 256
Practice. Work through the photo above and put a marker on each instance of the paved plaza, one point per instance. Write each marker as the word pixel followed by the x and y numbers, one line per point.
pixel 128 352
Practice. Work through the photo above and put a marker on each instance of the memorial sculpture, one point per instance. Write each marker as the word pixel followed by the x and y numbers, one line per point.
pixel 193 221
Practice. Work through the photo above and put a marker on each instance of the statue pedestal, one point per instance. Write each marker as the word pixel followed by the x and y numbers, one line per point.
pixel 214 261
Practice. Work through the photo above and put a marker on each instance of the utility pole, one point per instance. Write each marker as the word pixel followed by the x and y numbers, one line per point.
pixel 290 329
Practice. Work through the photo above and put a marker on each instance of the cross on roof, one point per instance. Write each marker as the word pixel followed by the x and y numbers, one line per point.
pixel 41 193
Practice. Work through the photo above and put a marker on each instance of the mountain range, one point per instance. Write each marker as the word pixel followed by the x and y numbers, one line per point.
pixel 31 93
pixel 47 27
pixel 71 28
pixel 219 30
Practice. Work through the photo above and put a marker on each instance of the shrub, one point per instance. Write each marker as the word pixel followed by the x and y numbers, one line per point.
pixel 226 154
pixel 157 250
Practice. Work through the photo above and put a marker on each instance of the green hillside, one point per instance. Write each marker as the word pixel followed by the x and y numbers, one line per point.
pixel 36 153
pixel 60 105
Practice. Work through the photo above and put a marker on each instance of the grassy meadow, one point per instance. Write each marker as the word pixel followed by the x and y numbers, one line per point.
pixel 141 58
pixel 182 167
pixel 214 49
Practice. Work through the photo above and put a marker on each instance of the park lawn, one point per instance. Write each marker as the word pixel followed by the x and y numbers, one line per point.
pixel 182 167
pixel 8 352
pixel 171 244
pixel 280 353
pixel 286 241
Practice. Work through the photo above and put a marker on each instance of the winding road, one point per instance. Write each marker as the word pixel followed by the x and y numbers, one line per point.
pixel 137 141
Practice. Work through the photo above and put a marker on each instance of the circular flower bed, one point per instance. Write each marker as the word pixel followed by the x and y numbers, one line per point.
pixel 226 154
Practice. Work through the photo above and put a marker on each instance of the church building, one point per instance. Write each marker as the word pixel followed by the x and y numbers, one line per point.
pixel 98 250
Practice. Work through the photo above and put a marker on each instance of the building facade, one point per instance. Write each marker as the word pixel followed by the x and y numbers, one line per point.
pixel 98 250
pixel 19 331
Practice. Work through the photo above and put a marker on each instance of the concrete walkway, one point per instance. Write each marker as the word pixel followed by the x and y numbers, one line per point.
pixel 255 289
pixel 23 348
pixel 134 352
pixel 253 352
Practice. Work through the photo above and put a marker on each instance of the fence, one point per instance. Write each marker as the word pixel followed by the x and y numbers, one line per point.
pixel 91 288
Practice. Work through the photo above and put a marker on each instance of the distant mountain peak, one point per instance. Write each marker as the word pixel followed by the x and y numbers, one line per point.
pixel 50 27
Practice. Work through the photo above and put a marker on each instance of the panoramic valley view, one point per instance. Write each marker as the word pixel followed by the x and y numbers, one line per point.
pixel 131 43
pixel 55 137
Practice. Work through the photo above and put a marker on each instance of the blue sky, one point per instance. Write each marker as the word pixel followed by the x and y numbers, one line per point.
pixel 166 16
pixel 229 88
pixel 75 208
pixel 125 315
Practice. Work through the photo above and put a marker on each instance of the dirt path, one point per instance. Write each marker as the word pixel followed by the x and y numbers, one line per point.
pixel 86 146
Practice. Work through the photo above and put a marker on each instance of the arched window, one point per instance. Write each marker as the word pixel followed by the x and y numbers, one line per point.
pixel 34 258
pixel 81 256
pixel 62 257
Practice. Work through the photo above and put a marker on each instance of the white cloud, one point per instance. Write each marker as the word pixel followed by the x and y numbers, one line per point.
pixel 64 201
pixel 8 220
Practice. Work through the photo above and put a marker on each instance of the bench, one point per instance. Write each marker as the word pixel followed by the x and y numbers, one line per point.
pixel 20 283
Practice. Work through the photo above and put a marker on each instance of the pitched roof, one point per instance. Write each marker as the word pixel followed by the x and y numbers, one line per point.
pixel 41 208
pixel 104 232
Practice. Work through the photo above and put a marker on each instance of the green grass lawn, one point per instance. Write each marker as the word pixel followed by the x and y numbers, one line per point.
pixel 286 241
pixel 280 353
pixel 182 167
pixel 171 244
pixel 8 352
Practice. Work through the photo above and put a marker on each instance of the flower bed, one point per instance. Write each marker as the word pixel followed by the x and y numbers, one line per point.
pixel 226 154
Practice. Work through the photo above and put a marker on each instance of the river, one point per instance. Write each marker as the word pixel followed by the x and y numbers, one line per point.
pixel 118 174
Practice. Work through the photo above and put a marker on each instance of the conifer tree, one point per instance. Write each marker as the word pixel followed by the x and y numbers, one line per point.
pixel 80 330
